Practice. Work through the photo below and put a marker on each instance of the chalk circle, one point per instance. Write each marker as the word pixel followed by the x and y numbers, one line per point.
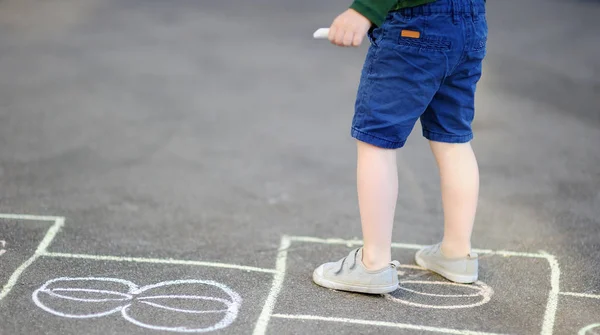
pixel 593 329
pixel 474 295
pixel 84 298
pixel 217 312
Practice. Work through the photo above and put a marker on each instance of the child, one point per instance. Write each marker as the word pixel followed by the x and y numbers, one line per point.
pixel 423 63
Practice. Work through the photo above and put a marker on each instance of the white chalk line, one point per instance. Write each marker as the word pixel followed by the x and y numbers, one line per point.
pixel 27 217
pixel 173 309
pixel 41 249
pixel 192 297
pixel 130 285
pixel 36 299
pixel 351 243
pixel 184 297
pixel 424 282
pixel 53 293
pixel 585 329
pixel 485 292
pixel 382 324
pixel 280 266
pixel 552 305
pixel 580 295
pixel 157 261
pixel 2 245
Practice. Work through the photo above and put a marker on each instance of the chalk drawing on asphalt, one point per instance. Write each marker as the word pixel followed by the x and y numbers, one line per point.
pixel 593 329
pixel 279 275
pixel 413 290
pixel 82 298
pixel 472 295
pixel 2 246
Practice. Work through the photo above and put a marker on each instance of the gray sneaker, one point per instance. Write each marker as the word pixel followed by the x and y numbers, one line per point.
pixel 350 274
pixel 460 270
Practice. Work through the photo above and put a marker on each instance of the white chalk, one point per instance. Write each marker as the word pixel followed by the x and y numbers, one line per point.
pixel 129 299
pixel 584 331
pixel 481 289
pixel 321 33
pixel 581 295
pixel 269 306
pixel 40 251
pixel 8 216
pixel 552 304
pixel 381 324
pixel 157 261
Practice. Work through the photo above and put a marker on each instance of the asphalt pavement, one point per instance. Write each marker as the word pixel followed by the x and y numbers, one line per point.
pixel 184 165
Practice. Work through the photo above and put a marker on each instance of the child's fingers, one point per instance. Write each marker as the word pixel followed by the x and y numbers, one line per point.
pixel 339 37
pixel 358 38
pixel 332 32
pixel 348 38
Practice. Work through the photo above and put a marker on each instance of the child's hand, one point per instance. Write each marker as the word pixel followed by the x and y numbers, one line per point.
pixel 349 29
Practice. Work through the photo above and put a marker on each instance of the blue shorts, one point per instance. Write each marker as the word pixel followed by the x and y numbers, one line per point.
pixel 423 63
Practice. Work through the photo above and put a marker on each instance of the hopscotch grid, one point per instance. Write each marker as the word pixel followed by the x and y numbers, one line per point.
pixel 279 271
pixel 549 314
pixel 42 251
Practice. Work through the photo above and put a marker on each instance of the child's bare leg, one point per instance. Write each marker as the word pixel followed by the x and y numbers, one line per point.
pixel 459 176
pixel 377 181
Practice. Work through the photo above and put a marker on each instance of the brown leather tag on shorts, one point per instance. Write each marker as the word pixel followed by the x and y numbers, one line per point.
pixel 410 34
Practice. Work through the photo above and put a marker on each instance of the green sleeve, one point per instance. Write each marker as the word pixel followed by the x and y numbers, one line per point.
pixel 374 10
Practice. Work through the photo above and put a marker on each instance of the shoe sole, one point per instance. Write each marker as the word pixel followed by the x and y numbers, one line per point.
pixel 457 278
pixel 321 281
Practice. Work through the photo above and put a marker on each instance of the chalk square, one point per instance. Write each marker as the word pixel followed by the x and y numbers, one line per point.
pixel 252 288
pixel 515 281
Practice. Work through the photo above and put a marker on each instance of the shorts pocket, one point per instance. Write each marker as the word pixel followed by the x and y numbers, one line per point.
pixel 376 34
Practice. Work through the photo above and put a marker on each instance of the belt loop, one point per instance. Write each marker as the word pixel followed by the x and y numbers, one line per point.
pixel 474 13
pixel 455 11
